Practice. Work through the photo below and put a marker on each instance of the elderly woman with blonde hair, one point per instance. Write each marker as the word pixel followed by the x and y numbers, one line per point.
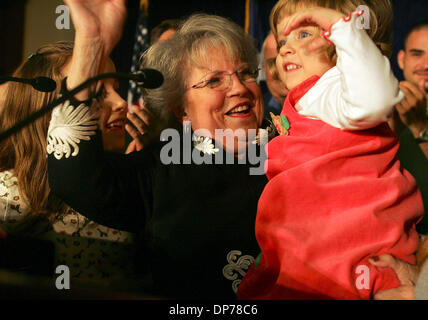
pixel 193 213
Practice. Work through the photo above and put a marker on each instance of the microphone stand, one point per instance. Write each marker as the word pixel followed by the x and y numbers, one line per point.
pixel 4 79
pixel 34 116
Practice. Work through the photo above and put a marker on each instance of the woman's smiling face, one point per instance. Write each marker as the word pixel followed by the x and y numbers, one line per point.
pixel 238 106
pixel 114 110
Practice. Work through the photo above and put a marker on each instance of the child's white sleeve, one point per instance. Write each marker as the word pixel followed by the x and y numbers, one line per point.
pixel 361 91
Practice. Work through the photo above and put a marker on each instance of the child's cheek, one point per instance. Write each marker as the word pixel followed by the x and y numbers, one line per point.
pixel 304 46
pixel 280 69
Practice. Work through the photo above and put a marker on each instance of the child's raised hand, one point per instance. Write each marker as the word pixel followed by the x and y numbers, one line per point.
pixel 317 16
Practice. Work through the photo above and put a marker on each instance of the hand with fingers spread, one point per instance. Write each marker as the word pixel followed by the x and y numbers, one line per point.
pixel 98 25
pixel 101 20
pixel 406 273
pixel 140 118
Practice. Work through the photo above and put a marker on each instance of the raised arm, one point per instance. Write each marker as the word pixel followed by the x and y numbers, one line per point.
pixel 98 25
pixel 358 93
pixel 109 189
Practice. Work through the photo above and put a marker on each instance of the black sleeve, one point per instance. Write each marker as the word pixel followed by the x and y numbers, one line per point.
pixel 112 189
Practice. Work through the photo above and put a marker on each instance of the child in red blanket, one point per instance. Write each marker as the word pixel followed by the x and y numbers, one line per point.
pixel 337 194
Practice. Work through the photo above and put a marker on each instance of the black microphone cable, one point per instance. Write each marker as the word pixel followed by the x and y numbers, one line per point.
pixel 148 78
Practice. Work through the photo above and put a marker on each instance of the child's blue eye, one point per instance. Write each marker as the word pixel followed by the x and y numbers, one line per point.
pixel 304 34
pixel 282 43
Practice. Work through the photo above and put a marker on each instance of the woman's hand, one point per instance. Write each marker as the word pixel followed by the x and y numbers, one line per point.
pixel 406 273
pixel 98 20
pixel 140 118
pixel 321 17
pixel 98 25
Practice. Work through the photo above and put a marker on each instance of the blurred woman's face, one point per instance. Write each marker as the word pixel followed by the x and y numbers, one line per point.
pixel 238 106
pixel 114 110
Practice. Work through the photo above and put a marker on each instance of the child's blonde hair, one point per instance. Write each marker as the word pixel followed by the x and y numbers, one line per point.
pixel 381 14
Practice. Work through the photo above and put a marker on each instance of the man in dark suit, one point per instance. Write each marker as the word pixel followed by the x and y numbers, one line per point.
pixel 410 120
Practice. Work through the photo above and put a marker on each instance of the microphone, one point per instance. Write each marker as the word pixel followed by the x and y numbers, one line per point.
pixel 43 84
pixel 146 78
pixel 150 78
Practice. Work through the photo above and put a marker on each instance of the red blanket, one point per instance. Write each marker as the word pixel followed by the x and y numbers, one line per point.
pixel 334 199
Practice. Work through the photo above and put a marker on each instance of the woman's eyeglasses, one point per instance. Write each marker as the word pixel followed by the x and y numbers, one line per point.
pixel 222 80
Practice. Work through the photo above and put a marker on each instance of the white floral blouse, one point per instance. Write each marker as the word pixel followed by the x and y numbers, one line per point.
pixel 90 250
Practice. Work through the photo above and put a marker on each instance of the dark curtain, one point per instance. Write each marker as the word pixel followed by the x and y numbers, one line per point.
pixel 160 10
pixel 406 14
pixel 12 16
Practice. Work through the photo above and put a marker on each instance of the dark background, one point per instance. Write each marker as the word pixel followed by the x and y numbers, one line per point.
pixel 407 13
pixel 12 15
